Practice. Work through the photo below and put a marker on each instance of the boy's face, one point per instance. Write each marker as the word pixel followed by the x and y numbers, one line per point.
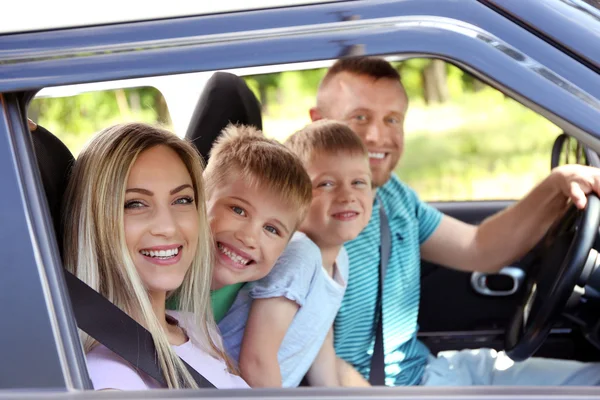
pixel 342 198
pixel 251 228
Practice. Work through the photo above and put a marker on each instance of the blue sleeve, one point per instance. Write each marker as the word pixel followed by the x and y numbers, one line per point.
pixel 293 273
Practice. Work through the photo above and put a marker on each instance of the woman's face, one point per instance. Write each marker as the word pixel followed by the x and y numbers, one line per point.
pixel 161 219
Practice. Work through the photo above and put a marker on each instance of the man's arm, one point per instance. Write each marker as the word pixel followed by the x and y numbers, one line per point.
pixel 510 234
pixel 323 371
pixel 268 322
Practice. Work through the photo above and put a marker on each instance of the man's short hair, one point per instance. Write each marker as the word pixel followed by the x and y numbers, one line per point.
pixel 325 137
pixel 243 151
pixel 374 67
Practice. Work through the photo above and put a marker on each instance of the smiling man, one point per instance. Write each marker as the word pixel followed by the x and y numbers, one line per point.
pixel 366 93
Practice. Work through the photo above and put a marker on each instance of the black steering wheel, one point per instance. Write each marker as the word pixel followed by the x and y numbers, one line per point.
pixel 563 259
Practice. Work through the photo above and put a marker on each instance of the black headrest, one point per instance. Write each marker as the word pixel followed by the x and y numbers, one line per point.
pixel 225 99
pixel 55 162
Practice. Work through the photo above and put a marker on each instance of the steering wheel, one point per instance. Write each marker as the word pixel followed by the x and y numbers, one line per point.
pixel 563 260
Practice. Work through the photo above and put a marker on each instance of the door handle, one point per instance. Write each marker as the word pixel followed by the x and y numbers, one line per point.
pixel 505 282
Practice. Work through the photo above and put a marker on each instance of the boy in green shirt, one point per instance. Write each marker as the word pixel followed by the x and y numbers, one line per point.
pixel 258 193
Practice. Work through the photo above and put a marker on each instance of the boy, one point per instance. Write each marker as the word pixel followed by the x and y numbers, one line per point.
pixel 280 327
pixel 257 194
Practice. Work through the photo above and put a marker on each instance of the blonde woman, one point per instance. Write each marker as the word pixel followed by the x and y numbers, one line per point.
pixel 136 231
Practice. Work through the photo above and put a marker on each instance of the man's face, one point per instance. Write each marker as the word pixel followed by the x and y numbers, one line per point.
pixel 375 110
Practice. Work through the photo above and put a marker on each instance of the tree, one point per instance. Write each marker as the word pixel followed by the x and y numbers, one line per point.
pixel 435 85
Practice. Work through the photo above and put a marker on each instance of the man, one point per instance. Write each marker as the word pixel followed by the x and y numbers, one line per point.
pixel 367 94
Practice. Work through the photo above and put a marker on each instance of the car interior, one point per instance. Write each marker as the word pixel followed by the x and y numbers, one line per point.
pixel 458 310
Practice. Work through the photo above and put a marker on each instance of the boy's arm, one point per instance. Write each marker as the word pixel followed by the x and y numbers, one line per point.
pixel 323 371
pixel 268 322
pixel 348 376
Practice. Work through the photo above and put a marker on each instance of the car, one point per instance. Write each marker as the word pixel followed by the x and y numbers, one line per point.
pixel 544 55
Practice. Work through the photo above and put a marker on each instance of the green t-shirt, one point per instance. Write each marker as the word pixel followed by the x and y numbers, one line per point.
pixel 221 300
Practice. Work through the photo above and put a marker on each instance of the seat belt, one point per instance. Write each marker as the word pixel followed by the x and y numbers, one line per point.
pixel 377 374
pixel 120 333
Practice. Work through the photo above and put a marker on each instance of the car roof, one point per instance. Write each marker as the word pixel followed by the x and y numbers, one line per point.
pixel 570 25
pixel 54 15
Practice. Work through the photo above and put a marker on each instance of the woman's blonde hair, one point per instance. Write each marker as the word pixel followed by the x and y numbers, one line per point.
pixel 96 252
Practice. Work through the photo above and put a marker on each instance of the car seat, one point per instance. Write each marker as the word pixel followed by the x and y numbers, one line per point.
pixel 225 99
pixel 54 162
pixel 93 312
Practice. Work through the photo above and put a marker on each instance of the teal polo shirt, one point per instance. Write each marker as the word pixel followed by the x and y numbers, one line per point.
pixel 411 223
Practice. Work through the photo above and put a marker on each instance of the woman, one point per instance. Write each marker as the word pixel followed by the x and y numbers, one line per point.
pixel 136 231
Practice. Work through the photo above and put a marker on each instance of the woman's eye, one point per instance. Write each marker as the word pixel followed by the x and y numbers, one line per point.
pixel 238 210
pixel 185 200
pixel 132 204
pixel 272 229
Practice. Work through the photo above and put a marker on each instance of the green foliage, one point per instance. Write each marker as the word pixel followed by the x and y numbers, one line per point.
pixel 492 148
pixel 75 118
pixel 410 72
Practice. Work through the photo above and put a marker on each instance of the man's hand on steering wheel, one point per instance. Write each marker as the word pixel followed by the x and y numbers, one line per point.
pixel 576 181
pixel 565 260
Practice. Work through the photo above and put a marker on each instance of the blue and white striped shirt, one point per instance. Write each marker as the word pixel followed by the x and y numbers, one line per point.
pixel 411 223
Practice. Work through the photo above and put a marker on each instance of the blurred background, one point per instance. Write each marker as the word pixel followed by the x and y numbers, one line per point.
pixel 464 139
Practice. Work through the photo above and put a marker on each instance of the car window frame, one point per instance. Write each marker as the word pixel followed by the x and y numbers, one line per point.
pixel 520 70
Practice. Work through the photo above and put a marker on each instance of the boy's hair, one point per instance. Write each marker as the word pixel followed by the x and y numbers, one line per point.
pixel 243 151
pixel 325 137
pixel 374 67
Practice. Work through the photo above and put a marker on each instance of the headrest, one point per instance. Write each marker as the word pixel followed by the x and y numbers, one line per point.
pixel 225 99
pixel 55 162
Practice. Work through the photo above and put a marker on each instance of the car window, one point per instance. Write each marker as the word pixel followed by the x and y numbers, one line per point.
pixel 464 140
pixel 74 118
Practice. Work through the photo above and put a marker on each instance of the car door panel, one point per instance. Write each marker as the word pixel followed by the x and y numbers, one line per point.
pixel 453 315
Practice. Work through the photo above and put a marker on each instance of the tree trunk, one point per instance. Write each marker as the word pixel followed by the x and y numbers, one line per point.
pixel 122 103
pixel 162 111
pixel 435 87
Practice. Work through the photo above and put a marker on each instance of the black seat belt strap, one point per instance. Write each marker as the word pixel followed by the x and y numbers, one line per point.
pixel 377 374
pixel 116 330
